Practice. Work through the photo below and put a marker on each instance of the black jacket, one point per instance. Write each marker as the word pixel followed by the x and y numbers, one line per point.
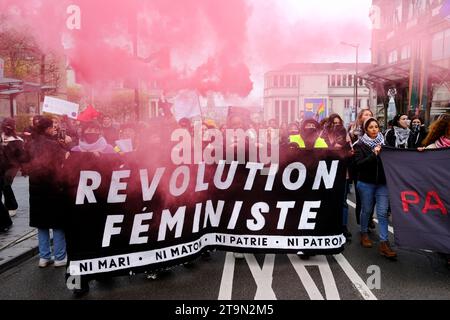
pixel 46 158
pixel 416 138
pixel 390 139
pixel 369 166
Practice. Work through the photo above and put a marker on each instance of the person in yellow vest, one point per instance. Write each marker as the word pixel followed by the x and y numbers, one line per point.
pixel 309 136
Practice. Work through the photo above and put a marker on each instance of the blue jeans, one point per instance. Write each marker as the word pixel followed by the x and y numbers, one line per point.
pixel 59 244
pixel 370 194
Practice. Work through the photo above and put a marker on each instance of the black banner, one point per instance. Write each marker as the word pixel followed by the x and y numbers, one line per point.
pixel 128 216
pixel 418 184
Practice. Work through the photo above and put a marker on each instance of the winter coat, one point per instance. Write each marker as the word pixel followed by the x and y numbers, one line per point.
pixel 14 153
pixel 416 138
pixel 369 166
pixel 44 169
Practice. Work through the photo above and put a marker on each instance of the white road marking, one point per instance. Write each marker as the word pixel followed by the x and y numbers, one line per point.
pixel 331 291
pixel 263 277
pixel 353 205
pixel 226 284
pixel 359 284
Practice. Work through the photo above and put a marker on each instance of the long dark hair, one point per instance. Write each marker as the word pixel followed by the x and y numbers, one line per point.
pixel 438 129
pixel 9 127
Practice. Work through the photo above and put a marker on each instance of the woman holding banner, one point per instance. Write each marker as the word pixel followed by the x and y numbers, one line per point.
pixel 355 132
pixel 372 186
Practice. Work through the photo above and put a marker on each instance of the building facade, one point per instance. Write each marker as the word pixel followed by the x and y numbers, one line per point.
pixel 298 91
pixel 410 56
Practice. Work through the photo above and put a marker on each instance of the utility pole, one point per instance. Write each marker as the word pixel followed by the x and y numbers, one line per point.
pixel 356 46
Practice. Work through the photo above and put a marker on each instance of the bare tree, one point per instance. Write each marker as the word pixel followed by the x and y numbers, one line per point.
pixel 24 59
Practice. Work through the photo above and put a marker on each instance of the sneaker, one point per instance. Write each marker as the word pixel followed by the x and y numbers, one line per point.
pixel 44 262
pixel 238 255
pixel 60 263
pixel 12 213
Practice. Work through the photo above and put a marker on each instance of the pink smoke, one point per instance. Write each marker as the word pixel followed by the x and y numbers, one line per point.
pixel 219 46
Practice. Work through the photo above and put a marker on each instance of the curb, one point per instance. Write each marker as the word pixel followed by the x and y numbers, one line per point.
pixel 16 260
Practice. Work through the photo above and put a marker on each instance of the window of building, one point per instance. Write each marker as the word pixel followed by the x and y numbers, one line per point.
pixel 359 103
pixel 347 103
pixel 350 80
pixel 282 81
pixel 288 81
pixel 406 52
pixel 294 81
pixel 275 81
pixel 393 56
pixel 339 83
pixel 344 80
pixel 368 103
pixel 285 111
pixel 277 110
pixel 153 109
pixel 361 82
pixel 440 45
pixel 292 111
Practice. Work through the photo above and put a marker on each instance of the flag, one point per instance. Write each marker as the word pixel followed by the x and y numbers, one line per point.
pixel 88 114
pixel 321 112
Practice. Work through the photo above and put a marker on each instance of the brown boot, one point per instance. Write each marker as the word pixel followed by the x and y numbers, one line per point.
pixel 385 250
pixel 365 241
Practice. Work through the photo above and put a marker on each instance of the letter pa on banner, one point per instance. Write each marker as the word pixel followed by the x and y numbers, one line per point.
pixel 140 217
pixel 418 184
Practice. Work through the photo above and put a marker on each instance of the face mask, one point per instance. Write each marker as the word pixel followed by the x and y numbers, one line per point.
pixel 415 127
pixel 91 137
pixel 309 132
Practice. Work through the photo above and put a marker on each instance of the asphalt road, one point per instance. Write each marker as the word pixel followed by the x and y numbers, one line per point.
pixel 356 274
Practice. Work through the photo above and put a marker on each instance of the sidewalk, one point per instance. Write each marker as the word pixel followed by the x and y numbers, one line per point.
pixel 20 242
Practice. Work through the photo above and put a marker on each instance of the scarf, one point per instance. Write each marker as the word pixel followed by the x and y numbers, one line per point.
pixel 99 146
pixel 401 137
pixel 372 143
pixel 443 142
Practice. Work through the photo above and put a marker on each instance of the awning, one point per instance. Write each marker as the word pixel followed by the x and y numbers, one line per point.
pixel 400 72
pixel 10 92
pixel 9 81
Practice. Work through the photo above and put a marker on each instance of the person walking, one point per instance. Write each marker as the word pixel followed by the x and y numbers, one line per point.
pixel 14 153
pixel 44 168
pixel 355 132
pixel 372 186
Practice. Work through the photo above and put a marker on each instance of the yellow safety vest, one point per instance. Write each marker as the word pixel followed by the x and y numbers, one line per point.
pixel 319 144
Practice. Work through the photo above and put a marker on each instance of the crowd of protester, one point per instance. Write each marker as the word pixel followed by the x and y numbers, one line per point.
pixel 51 143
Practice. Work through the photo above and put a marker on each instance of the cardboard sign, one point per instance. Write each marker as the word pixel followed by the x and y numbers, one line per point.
pixel 61 107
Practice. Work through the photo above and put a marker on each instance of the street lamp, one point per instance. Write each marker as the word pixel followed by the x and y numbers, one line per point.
pixel 355 81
